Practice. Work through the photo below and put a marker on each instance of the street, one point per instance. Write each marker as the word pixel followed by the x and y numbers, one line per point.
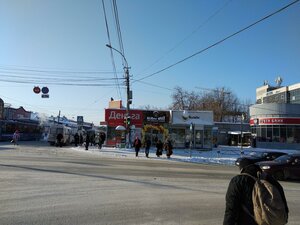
pixel 48 185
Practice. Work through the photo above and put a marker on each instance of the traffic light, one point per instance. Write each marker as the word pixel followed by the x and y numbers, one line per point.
pixel 128 120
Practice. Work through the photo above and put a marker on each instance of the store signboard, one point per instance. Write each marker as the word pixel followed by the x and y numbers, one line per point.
pixel 156 117
pixel 195 117
pixel 275 121
pixel 116 117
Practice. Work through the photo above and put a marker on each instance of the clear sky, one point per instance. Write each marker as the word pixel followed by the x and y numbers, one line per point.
pixel 61 44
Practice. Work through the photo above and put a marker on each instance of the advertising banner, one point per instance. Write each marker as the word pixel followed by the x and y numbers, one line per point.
pixel 116 117
pixel 156 117
pixel 195 117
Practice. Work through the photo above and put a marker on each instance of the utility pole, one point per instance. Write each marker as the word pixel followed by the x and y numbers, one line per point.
pixel 129 98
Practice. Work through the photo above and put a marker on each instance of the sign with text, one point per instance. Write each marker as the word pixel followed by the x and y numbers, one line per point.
pixel 156 117
pixel 115 117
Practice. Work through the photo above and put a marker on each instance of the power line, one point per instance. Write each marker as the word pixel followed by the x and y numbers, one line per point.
pixel 111 52
pixel 190 35
pixel 219 42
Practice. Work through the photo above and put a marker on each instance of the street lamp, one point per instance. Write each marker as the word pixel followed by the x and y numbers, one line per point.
pixel 242 135
pixel 126 68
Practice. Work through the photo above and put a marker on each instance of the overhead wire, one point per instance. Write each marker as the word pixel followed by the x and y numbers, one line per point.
pixel 111 52
pixel 188 36
pixel 219 42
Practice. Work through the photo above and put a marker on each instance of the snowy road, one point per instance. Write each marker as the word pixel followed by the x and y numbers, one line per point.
pixel 48 185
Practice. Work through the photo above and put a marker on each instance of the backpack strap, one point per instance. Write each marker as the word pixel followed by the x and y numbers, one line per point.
pixel 243 206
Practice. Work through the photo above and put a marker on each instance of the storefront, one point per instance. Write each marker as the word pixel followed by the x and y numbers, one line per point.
pixel 276 125
pixel 155 125
pixel 191 129
pixel 114 119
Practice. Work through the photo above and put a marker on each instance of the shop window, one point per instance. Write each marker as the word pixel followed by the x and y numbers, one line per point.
pixel 282 134
pixel 178 136
pixel 297 135
pixel 290 134
pixel 207 138
pixel 276 136
pixel 269 133
pixel 263 133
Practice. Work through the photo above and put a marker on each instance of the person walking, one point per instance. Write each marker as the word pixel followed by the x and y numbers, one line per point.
pixel 87 142
pixel 76 139
pixel 59 139
pixel 16 137
pixel 102 138
pixel 168 147
pixel 147 147
pixel 239 205
pixel 137 145
pixel 159 148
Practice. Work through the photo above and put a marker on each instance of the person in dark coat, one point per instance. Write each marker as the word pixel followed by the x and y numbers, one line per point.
pixel 102 138
pixel 76 139
pixel 137 145
pixel 239 193
pixel 169 148
pixel 147 147
pixel 159 148
pixel 87 142
pixel 59 138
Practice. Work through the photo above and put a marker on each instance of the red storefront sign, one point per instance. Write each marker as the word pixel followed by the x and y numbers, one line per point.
pixel 116 117
pixel 275 121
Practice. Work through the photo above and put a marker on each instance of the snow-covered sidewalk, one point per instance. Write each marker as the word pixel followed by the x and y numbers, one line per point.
pixel 222 155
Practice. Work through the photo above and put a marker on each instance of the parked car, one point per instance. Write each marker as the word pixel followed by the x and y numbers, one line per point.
pixel 283 167
pixel 260 156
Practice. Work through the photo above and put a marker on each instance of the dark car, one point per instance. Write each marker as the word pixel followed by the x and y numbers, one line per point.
pixel 255 157
pixel 283 167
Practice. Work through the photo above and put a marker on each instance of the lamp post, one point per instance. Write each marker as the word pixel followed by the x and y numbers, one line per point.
pixel 126 68
pixel 242 118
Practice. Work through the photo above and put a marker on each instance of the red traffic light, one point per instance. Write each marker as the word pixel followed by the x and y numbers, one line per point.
pixel 36 89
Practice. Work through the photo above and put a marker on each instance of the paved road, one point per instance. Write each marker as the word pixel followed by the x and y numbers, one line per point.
pixel 47 185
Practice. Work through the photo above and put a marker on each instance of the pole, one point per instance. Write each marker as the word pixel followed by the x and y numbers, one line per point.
pixel 126 68
pixel 242 118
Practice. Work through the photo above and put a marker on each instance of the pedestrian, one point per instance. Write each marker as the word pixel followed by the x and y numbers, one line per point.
pixel 102 138
pixel 87 142
pixel 137 145
pixel 239 205
pixel 16 137
pixel 76 139
pixel 159 148
pixel 147 147
pixel 168 147
pixel 59 140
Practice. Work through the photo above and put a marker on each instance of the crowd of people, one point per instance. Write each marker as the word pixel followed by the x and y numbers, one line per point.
pixel 160 147
pixel 87 140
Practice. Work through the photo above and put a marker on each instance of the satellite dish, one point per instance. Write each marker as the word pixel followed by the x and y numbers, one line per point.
pixel 278 81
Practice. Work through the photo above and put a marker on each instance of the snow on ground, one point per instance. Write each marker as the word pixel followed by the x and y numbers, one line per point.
pixel 221 155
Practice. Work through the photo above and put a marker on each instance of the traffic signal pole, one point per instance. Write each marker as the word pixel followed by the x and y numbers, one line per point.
pixel 129 97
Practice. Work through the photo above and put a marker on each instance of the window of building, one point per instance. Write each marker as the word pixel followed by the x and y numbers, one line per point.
pixel 290 134
pixel 283 134
pixel 276 136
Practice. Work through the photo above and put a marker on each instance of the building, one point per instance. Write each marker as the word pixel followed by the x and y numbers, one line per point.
pixel 185 128
pixel 275 118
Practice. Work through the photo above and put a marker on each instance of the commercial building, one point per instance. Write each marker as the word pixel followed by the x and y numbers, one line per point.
pixel 185 128
pixel 275 118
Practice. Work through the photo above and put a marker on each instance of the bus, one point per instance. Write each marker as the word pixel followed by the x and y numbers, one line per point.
pixel 67 132
pixel 29 130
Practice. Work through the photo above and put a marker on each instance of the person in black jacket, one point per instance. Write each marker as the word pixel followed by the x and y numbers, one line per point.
pixel 137 145
pixel 239 195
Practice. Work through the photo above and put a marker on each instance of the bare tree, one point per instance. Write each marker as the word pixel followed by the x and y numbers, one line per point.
pixel 222 101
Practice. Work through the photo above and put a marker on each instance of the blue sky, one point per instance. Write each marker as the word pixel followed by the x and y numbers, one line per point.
pixel 62 41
